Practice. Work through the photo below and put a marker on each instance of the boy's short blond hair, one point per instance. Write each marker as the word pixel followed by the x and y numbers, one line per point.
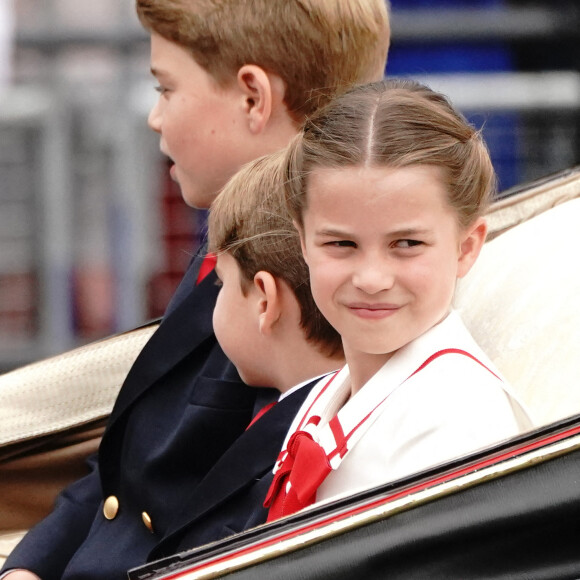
pixel 317 47
pixel 249 220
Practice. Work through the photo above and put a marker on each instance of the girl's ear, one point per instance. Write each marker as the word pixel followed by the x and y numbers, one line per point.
pixel 269 301
pixel 472 241
pixel 262 91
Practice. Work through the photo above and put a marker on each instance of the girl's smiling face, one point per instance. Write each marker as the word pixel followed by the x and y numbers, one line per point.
pixel 384 249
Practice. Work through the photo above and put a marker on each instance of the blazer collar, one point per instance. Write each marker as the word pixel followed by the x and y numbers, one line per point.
pixel 173 340
pixel 261 442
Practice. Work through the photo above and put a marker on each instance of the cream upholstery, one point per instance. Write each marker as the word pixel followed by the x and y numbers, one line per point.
pixel 67 390
pixel 520 300
pixel 532 200
pixel 8 543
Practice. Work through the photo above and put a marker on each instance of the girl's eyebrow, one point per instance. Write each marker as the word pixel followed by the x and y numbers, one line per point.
pixel 332 233
pixel 335 233
pixel 409 232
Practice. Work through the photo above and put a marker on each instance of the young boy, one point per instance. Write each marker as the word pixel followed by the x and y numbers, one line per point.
pixel 236 79
pixel 267 323
pixel 265 318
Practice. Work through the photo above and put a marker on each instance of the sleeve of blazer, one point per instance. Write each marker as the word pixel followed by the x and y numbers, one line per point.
pixel 48 547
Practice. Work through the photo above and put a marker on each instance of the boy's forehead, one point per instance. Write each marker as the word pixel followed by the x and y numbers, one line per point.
pixel 166 54
pixel 171 60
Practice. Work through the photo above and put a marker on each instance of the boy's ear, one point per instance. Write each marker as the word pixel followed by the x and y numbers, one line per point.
pixel 269 301
pixel 262 91
pixel 472 241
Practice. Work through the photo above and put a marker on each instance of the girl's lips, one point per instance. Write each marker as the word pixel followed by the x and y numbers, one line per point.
pixel 373 311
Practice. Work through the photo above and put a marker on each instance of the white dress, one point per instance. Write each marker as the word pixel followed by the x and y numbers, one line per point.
pixel 436 399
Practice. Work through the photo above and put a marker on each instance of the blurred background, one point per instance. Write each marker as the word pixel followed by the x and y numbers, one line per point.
pixel 94 237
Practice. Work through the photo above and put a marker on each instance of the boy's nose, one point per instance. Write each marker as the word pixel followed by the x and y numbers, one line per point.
pixel 154 119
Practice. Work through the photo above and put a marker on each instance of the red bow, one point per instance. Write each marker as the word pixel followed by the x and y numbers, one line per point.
pixel 305 467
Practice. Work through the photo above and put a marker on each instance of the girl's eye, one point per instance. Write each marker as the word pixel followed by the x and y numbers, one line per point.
pixel 341 244
pixel 407 243
pixel 160 89
pixel 218 282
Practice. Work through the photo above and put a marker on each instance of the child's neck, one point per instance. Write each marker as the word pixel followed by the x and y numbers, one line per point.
pixel 362 367
pixel 303 365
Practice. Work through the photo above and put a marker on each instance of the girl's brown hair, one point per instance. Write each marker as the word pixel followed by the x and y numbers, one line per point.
pixel 394 123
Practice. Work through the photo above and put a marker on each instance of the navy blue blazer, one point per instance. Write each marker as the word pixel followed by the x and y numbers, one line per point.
pixel 181 408
pixel 230 498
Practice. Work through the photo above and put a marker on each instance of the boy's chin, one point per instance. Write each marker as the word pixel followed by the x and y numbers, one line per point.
pixel 197 199
pixel 198 195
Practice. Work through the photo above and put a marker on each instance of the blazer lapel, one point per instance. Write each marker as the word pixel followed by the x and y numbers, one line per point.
pixel 188 282
pixel 252 455
pixel 173 340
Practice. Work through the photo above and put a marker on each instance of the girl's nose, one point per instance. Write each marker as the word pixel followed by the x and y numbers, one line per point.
pixel 373 275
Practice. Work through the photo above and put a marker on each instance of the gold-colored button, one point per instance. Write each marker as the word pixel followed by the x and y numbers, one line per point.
pixel 111 507
pixel 147 521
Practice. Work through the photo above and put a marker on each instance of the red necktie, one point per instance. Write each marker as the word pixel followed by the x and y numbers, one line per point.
pixel 305 467
pixel 206 267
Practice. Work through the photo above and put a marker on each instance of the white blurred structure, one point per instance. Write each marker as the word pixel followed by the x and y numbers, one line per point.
pixel 6 41
pixel 78 183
